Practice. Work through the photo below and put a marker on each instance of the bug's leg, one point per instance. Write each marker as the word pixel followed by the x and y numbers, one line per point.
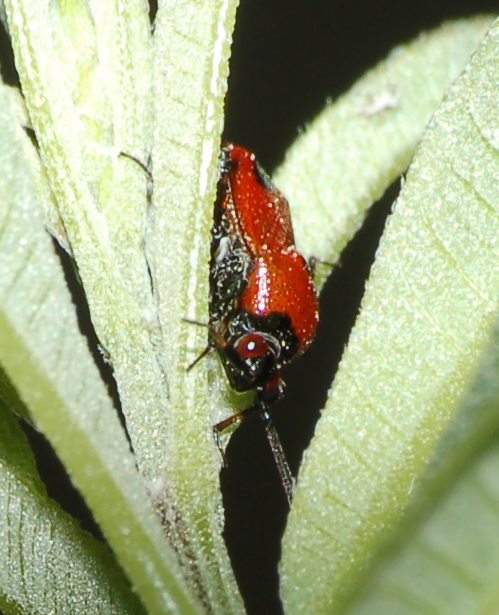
pixel 314 261
pixel 287 479
pixel 228 423
pixel 147 173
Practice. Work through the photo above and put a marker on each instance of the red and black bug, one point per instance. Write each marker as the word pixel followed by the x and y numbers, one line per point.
pixel 263 303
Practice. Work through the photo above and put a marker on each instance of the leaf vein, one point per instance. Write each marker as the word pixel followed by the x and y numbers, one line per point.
pixel 20 270
pixel 424 310
pixel 449 563
pixel 485 493
pixel 471 187
pixel 5 222
pixel 377 413
pixel 38 305
pixel 358 457
pixel 485 140
pixel 453 261
pixel 193 42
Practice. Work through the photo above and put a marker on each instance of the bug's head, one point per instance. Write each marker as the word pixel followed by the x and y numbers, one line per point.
pixel 252 361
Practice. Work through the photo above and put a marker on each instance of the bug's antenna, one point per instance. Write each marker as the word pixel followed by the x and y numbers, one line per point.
pixel 209 347
pixel 287 478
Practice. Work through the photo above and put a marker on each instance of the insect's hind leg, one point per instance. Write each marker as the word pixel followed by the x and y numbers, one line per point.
pixel 232 421
pixel 313 261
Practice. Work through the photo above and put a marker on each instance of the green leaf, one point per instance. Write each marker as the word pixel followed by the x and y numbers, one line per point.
pixel 82 122
pixel 122 243
pixel 9 397
pixel 47 361
pixel 448 562
pixel 349 155
pixel 122 240
pixel 426 318
pixel 48 564
pixel 192 47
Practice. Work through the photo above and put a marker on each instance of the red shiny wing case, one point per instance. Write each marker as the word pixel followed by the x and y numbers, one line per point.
pixel 258 211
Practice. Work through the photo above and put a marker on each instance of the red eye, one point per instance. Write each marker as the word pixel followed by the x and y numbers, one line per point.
pixel 252 346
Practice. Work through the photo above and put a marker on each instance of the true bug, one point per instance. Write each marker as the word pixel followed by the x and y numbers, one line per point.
pixel 263 302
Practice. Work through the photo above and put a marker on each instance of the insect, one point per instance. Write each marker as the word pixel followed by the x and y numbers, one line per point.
pixel 263 302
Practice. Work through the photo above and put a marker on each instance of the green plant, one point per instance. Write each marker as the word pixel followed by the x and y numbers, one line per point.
pixel 418 382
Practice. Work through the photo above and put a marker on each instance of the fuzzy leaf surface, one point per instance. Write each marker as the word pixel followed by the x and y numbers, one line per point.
pixel 426 317
pixel 46 362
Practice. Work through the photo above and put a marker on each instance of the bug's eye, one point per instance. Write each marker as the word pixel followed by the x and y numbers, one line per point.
pixel 253 346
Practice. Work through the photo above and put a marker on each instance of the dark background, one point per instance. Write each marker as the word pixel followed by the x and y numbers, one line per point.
pixel 288 57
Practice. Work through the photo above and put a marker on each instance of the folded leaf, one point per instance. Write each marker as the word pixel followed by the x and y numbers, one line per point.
pixel 47 361
pixel 348 156
pixel 448 562
pixel 426 317
pixel 49 564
